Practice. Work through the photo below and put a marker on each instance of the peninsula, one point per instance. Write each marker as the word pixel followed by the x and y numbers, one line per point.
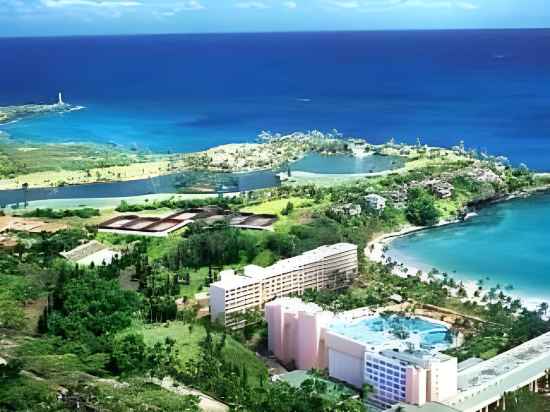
pixel 12 113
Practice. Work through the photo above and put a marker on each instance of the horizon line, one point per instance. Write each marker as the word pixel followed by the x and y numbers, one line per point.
pixel 272 32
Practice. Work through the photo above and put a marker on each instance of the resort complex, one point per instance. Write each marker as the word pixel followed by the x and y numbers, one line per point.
pixel 290 206
pixel 282 298
pixel 400 357
pixel 327 267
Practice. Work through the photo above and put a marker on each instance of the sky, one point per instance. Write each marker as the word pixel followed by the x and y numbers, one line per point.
pixel 94 17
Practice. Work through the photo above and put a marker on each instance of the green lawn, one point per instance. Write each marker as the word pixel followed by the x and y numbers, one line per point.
pixel 21 158
pixel 188 342
pixel 198 278
pixel 275 207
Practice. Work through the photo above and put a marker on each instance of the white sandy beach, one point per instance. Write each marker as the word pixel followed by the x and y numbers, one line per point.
pixel 375 252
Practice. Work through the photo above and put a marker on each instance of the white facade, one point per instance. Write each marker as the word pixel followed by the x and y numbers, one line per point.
pixel 327 267
pixel 349 209
pixel 388 377
pixel 375 202
pixel 91 252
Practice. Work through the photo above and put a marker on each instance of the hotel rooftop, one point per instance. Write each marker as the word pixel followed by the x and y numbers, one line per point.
pixel 484 383
pixel 253 274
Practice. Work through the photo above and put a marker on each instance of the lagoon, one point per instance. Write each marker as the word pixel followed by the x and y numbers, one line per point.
pixel 186 182
pixel 507 243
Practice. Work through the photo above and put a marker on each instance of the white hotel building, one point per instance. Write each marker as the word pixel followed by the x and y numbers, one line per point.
pixel 327 267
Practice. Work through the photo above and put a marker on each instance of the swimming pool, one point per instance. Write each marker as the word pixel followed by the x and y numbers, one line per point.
pixel 381 330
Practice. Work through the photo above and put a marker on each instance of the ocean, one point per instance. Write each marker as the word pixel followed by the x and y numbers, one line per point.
pixel 506 244
pixel 190 92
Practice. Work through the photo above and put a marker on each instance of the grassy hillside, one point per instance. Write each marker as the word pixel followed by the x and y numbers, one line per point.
pixel 188 342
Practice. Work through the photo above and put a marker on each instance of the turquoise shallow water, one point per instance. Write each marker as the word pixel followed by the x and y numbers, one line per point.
pixel 508 242
pixel 190 92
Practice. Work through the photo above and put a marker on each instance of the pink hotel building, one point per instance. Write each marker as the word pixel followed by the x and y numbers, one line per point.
pixel 303 334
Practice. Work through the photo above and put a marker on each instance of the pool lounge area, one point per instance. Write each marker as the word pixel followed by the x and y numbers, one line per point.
pixel 381 330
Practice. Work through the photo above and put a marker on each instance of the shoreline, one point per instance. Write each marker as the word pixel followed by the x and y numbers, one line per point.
pixel 374 251
pixel 104 203
pixel 270 153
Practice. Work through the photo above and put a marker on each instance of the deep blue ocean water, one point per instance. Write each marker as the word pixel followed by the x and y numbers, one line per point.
pixel 190 92
pixel 508 242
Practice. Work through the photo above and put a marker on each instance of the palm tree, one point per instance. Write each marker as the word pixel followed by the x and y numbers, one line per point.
pixel 543 309
pixel 515 305
pixel 492 294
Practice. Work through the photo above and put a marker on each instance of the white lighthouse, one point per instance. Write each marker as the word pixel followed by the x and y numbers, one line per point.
pixel 60 101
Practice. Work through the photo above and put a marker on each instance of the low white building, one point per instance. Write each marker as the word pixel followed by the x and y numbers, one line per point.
pixel 483 385
pixel 375 202
pixel 349 209
pixel 91 252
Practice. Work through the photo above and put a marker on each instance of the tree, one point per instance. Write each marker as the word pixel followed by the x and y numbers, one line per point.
pixel 543 309
pixel 129 353
pixel 25 187
pixel 91 309
pixel 523 400
pixel 368 390
pixel 287 209
pixel 421 208
pixel 162 358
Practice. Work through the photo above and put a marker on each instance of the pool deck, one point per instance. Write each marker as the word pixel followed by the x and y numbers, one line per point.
pixel 384 339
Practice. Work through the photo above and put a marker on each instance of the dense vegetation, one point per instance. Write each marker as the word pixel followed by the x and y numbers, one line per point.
pixel 173 203
pixel 84 335
pixel 18 159
pixel 83 213
pixel 421 209
pixel 103 336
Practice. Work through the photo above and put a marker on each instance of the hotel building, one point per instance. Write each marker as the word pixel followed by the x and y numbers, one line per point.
pixel 327 267
pixel 407 372
pixel 399 370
